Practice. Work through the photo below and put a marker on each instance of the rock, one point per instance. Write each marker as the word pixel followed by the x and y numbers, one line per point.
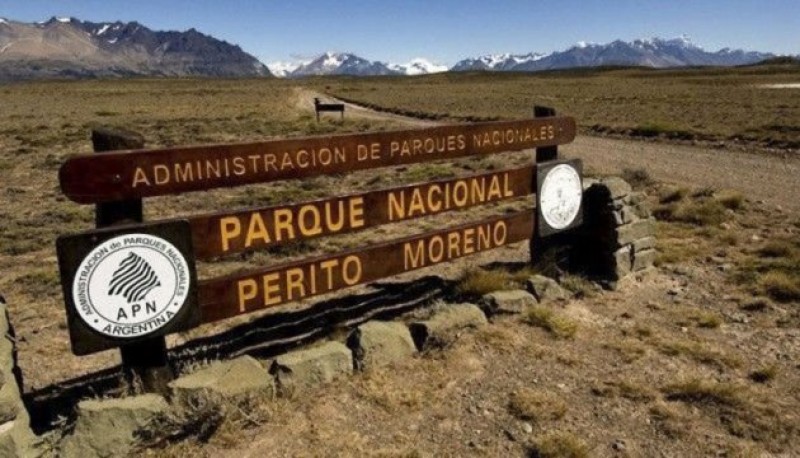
pixel 755 238
pixel 108 427
pixel 636 230
pixel 624 215
pixel 618 445
pixel 643 259
pixel 646 243
pixel 546 289
pixel 527 427
pixel 725 226
pixel 617 187
pixel 312 366
pixel 16 438
pixel 623 262
pixel 441 328
pixel 511 301
pixel 232 379
pixel 380 343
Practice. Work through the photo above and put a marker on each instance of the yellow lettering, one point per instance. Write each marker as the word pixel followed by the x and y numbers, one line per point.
pixel 271 287
pixel 413 259
pixel 247 291
pixel 283 222
pixel 230 227
pixel 256 230
pixel 294 280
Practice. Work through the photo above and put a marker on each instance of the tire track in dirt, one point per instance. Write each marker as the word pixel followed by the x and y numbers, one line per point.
pixel 760 177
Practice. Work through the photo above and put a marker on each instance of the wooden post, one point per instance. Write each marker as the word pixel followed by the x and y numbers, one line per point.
pixel 542 253
pixel 146 361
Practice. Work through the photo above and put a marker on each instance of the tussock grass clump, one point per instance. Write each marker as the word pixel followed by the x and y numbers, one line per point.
pixel 699 352
pixel 579 285
pixel 536 406
pixel 477 282
pixel 732 200
pixel 741 411
pixel 756 304
pixel 638 178
pixel 777 249
pixel 559 445
pixel 206 418
pixel 545 318
pixel 671 195
pixel 699 391
pixel 764 374
pixel 781 286
pixel 703 212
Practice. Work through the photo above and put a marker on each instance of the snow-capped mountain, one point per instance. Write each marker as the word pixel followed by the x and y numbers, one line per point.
pixel 655 52
pixel 418 66
pixel 332 63
pixel 283 69
pixel 496 62
pixel 69 47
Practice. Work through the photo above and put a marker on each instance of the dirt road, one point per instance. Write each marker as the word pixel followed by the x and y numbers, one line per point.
pixel 772 179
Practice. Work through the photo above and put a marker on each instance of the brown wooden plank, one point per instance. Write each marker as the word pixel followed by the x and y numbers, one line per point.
pixel 248 292
pixel 141 173
pixel 252 229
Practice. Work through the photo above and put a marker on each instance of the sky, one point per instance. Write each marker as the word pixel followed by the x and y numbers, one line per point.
pixel 443 31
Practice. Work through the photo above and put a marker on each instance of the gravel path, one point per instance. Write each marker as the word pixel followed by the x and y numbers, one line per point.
pixel 769 178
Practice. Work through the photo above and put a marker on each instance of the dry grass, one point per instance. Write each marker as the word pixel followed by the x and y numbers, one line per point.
pixel 764 374
pixel 698 351
pixel 781 286
pixel 742 412
pixel 476 281
pixel 556 324
pixel 537 406
pixel 579 286
pixel 620 102
pixel 559 445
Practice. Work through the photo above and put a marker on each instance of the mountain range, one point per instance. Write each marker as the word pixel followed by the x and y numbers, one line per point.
pixel 68 47
pixel 71 48
pixel 655 52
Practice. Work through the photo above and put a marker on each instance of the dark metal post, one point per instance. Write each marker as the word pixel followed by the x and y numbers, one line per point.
pixel 144 361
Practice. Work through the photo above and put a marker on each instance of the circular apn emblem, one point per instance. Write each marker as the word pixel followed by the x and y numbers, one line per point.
pixel 561 195
pixel 131 285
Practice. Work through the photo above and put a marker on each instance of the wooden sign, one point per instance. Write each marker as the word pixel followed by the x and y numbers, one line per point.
pixel 258 228
pixel 247 292
pixel 136 174
pixel 127 284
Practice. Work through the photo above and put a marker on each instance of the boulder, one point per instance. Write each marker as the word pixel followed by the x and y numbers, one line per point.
pixel 380 343
pixel 312 366
pixel 510 301
pixel 443 326
pixel 546 289
pixel 232 379
pixel 109 427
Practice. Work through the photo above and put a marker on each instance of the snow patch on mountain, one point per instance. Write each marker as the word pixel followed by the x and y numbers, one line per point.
pixel 284 69
pixel 418 66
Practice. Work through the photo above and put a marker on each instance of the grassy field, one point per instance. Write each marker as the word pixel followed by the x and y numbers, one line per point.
pixel 729 105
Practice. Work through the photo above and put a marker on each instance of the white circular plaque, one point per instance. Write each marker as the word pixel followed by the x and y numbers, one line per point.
pixel 131 285
pixel 560 196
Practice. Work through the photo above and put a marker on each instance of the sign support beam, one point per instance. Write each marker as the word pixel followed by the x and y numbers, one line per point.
pixel 143 362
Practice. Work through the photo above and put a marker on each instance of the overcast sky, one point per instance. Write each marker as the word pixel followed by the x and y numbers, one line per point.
pixel 443 31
